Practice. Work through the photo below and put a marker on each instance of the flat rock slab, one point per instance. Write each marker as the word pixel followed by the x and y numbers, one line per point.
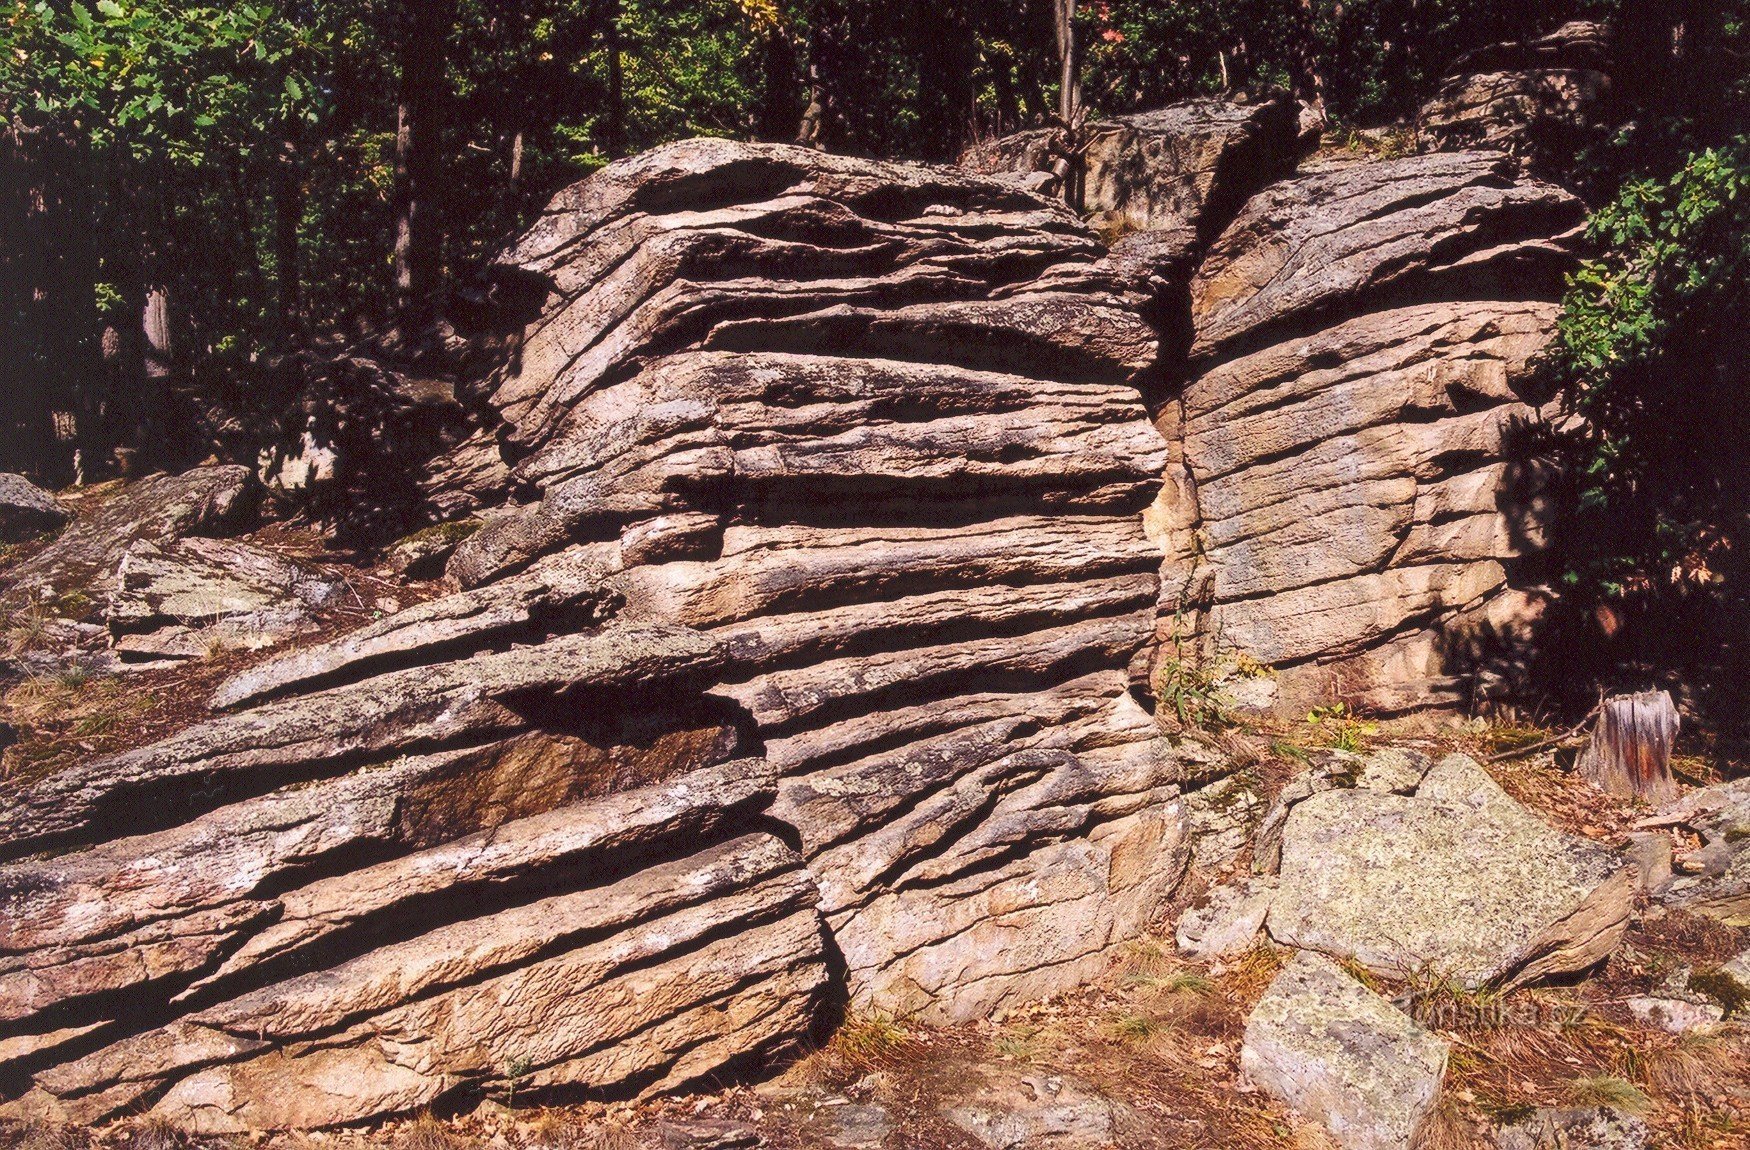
pixel 1457 880
pixel 190 597
pixel 1584 1128
pixel 204 501
pixel 1341 1055
pixel 26 509
pixel 1009 1109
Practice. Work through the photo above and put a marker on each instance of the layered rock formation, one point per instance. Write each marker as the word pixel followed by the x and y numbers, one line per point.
pixel 808 662
pixel 1542 99
pixel 1357 468
pixel 801 673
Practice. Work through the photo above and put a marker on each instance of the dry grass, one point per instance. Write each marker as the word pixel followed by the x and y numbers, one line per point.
pixel 66 717
pixel 866 1043
pixel 427 1133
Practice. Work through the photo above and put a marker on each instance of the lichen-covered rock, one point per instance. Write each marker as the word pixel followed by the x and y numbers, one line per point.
pixel 1187 166
pixel 206 501
pixel 1352 488
pixel 1341 1055
pixel 1588 1128
pixel 1457 880
pixel 1227 921
pixel 1010 1109
pixel 26 510
pixel 192 597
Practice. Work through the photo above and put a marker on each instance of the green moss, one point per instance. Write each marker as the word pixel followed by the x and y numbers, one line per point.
pixel 1723 989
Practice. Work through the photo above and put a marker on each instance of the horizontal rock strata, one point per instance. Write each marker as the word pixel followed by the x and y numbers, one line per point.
pixel 800 670
pixel 1356 426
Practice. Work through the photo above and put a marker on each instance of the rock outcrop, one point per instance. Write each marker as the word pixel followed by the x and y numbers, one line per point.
pixel 206 501
pixel 802 671
pixel 1185 167
pixel 191 596
pixel 833 515
pixel 1542 99
pixel 1353 492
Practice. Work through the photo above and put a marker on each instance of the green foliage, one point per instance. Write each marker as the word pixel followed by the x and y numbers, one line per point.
pixel 1648 344
pixel 158 80
pixel 1340 729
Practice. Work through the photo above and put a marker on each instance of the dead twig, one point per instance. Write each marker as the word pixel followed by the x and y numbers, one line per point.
pixel 1553 740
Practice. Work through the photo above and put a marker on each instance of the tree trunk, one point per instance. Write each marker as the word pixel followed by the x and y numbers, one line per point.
pixel 614 134
pixel 1630 751
pixel 288 215
pixel 418 159
pixel 1069 100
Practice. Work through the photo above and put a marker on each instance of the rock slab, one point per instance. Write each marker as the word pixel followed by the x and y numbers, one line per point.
pixel 1341 1055
pixel 1457 881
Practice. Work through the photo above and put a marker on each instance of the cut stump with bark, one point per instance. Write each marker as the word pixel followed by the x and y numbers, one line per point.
pixel 1630 750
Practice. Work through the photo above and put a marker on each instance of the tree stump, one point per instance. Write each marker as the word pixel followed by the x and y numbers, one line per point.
pixel 1630 751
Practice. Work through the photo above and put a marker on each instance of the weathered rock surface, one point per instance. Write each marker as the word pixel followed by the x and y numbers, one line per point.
pixel 1341 1055
pixel 205 501
pixel 1457 880
pixel 26 510
pixel 1348 504
pixel 1009 1109
pixel 1188 166
pixel 816 620
pixel 1713 879
pixel 1544 98
pixel 192 596
pixel 1588 1128
pixel 1227 921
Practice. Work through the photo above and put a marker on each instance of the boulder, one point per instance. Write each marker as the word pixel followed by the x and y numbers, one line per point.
pixel 1457 881
pixel 1355 404
pixel 1225 922
pixel 1189 165
pixel 1008 1109
pixel 1341 1055
pixel 211 500
pixel 191 597
pixel 1585 1128
pixel 26 510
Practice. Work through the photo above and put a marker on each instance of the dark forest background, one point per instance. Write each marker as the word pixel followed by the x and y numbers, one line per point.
pixel 197 203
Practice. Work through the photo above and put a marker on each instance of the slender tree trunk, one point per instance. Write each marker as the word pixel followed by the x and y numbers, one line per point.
pixel 614 133
pixel 418 159
pixel 1069 100
pixel 288 215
